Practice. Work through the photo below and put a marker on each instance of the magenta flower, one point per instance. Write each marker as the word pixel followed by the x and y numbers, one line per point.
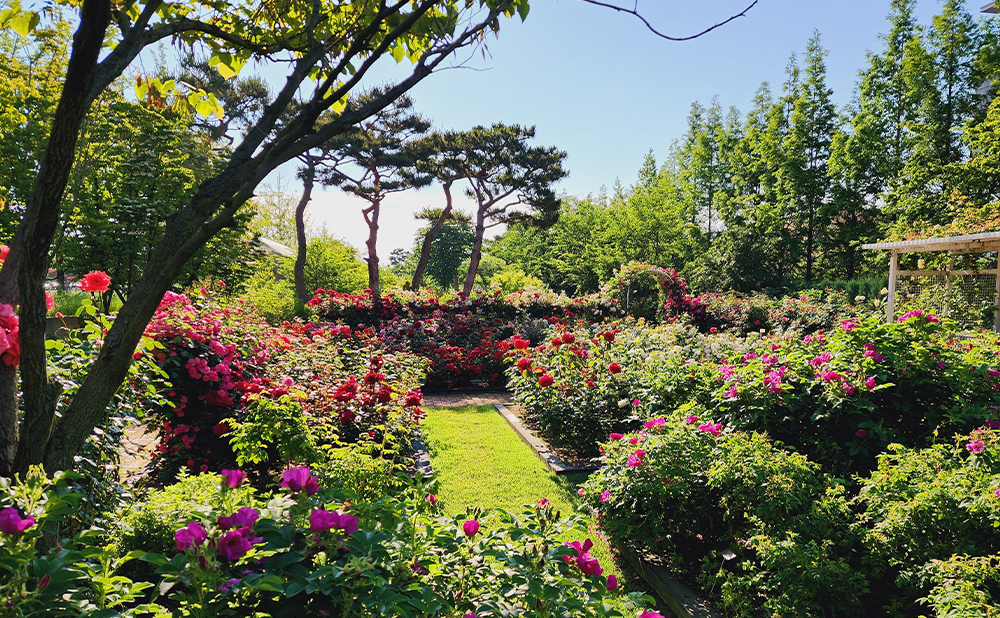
pixel 580 492
pixel 634 461
pixel 12 523
pixel 861 433
pixel 605 496
pixel 649 614
pixel 830 376
pixel 470 615
pixel 691 419
pixel 612 582
pixel 849 389
pixel 848 325
pixel 940 364
pixel 470 528
pixel 932 318
pixel 870 383
pixel 825 357
pixel 731 393
pixel 544 502
pixel 431 499
pixel 233 545
pixel 992 424
pixel 975 446
pixel 997 493
pixel 583 560
pixel 710 428
pixel 233 478
pixel 299 479
pixel 246 516
pixel 615 436
pixel 322 520
pixel 191 535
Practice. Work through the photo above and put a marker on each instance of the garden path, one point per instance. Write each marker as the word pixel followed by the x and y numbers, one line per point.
pixel 459 399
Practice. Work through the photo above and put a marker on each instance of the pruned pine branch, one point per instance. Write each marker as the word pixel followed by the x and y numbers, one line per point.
pixel 635 12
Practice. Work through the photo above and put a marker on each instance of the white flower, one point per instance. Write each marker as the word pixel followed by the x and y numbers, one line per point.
pixel 623 403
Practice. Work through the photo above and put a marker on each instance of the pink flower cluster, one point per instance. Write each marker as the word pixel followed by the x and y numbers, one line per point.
pixel 583 560
pixel 322 520
pixel 300 479
pixel 10 342
pixel 11 521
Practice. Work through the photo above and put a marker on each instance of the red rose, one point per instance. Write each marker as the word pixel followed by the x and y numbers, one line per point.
pixel 4 250
pixel 568 338
pixel 524 364
pixel 95 281
pixel 615 368
pixel 545 380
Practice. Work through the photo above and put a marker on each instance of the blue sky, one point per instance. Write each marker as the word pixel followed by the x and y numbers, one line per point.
pixel 600 86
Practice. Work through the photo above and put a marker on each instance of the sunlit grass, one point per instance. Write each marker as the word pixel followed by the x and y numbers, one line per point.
pixel 479 460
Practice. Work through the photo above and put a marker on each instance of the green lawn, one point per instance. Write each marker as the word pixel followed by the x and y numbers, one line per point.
pixel 479 460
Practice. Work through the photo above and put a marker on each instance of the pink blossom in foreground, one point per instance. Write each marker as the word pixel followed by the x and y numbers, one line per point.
pixel 300 479
pixel 12 523
pixel 583 560
pixel 612 582
pixel 615 436
pixel 191 535
pixel 975 446
pixel 870 383
pixel 634 461
pixel 691 419
pixel 246 516
pixel 234 545
pixel 233 478
pixel 605 496
pixel 655 422
pixel 470 528
pixel 710 428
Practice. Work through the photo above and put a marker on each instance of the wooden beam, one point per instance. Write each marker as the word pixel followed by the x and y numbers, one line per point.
pixel 890 304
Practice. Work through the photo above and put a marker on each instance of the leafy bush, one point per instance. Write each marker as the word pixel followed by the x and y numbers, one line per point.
pixel 926 505
pixel 760 524
pixel 148 525
pixel 271 299
pixel 839 396
pixel 808 312
pixel 310 550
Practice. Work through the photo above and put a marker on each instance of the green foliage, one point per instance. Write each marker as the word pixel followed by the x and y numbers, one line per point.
pixel 358 468
pixel 923 505
pixel 754 521
pixel 148 524
pixel 272 299
pixel 331 264
pixel 272 432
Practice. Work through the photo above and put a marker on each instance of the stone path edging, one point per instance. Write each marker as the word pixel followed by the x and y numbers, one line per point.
pixel 551 461
pixel 421 457
pixel 678 598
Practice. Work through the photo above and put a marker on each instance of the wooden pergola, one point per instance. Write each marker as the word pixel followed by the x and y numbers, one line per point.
pixel 972 243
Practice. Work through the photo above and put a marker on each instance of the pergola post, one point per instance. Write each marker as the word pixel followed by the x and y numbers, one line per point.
pixel 996 299
pixel 890 305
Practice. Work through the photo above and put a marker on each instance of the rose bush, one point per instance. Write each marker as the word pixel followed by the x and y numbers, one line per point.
pixel 307 550
pixel 838 395
pixel 767 532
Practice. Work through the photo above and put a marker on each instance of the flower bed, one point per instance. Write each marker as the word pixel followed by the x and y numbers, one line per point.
pixel 839 396
pixel 766 532
pixel 307 549
pixel 242 393
pixel 462 338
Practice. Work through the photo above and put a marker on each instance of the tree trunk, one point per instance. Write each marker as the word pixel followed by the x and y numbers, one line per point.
pixel 371 218
pixel 425 247
pixel 300 233
pixel 477 250
pixel 34 235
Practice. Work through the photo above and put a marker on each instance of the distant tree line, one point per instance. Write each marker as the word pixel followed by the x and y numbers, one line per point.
pixel 790 191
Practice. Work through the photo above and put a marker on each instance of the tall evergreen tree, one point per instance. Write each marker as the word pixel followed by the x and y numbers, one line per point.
pixel 807 152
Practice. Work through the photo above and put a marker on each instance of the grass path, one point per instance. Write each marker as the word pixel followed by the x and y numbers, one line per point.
pixel 478 460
